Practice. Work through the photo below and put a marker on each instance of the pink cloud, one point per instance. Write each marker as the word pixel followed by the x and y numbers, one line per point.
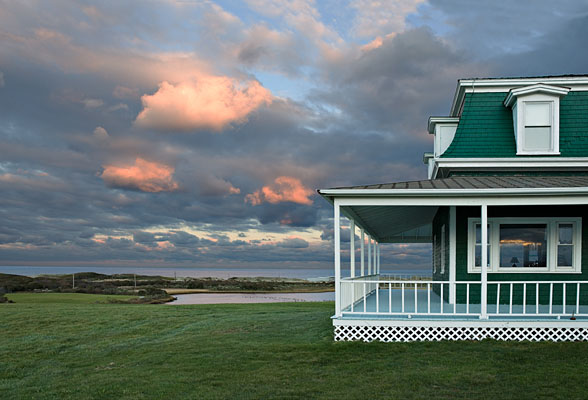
pixel 284 188
pixel 143 175
pixel 209 102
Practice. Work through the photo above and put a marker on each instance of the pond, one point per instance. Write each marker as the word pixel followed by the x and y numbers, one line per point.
pixel 225 298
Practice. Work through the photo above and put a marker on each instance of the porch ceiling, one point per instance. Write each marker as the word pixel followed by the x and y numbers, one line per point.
pixel 394 224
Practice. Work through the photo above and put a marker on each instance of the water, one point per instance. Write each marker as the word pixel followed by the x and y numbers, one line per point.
pixel 224 298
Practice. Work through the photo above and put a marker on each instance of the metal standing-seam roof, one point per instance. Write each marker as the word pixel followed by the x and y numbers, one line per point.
pixel 482 182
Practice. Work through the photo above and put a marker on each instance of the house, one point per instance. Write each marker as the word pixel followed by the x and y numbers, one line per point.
pixel 505 209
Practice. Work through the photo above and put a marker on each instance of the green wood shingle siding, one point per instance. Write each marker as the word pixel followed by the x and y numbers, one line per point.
pixel 463 213
pixel 486 127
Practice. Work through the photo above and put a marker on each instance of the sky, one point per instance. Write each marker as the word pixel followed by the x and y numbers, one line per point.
pixel 195 133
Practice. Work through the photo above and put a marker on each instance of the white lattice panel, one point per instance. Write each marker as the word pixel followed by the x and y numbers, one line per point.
pixel 434 333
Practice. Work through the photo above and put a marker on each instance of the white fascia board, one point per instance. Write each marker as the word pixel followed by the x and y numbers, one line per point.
pixel 518 162
pixel 461 200
pixel 505 85
pixel 538 88
pixel 492 192
pixel 440 120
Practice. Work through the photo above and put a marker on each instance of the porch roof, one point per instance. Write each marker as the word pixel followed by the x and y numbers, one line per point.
pixel 411 206
pixel 477 182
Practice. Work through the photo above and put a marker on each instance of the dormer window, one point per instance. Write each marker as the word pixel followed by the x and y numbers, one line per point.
pixel 538 135
pixel 535 111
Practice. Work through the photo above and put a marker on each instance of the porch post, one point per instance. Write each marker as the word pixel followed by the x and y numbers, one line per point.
pixel 362 252
pixel 378 258
pixel 337 239
pixel 352 247
pixel 484 278
pixel 452 253
pixel 369 256
pixel 375 263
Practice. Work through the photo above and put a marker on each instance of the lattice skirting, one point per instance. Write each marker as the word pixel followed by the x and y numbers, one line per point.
pixel 434 333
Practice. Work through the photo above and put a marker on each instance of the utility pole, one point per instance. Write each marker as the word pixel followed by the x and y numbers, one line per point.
pixel 73 281
pixel 135 275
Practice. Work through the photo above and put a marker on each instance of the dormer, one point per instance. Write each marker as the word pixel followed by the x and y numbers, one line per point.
pixel 444 130
pixel 535 114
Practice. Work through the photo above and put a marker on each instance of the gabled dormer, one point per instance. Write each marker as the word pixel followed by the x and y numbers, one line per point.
pixel 513 126
pixel 535 115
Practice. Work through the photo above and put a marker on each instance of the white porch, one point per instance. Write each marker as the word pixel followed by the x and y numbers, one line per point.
pixel 375 304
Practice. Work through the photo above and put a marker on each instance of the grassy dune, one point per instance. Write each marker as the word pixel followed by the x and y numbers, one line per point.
pixel 65 298
pixel 282 350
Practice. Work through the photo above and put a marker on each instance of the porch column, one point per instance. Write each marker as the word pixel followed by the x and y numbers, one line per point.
pixel 484 278
pixel 362 252
pixel 337 239
pixel 378 258
pixel 352 247
pixel 452 253
pixel 369 255
pixel 375 264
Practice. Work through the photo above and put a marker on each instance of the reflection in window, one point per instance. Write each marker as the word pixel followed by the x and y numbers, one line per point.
pixel 523 245
pixel 565 245
pixel 478 256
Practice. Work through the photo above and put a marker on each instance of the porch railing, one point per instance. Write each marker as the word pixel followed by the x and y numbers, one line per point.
pixel 370 295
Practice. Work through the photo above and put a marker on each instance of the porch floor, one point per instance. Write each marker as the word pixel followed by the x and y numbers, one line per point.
pixel 377 306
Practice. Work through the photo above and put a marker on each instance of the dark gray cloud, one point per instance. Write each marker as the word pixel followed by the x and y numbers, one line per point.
pixel 71 78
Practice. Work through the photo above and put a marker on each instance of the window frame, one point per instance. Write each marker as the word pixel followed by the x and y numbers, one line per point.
pixel 552 244
pixel 519 121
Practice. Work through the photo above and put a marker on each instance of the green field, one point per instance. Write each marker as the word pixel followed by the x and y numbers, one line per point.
pixel 71 298
pixel 282 350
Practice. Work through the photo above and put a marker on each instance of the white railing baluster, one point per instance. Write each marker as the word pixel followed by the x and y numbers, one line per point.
pixel 402 293
pixel 563 311
pixel 352 296
pixel 510 302
pixel 416 309
pixel 551 298
pixel 467 298
pixel 377 292
pixel 441 298
pixel 498 298
pixel 364 298
pixel 390 297
pixel 578 298
pixel 524 298
pixel 428 298
pixel 536 298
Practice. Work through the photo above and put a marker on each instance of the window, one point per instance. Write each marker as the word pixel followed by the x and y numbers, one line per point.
pixel 535 115
pixel 527 245
pixel 538 126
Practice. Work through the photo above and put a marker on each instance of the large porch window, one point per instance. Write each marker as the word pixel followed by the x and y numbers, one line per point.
pixel 527 245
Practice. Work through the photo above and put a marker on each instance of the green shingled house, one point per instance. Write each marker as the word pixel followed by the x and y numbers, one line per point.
pixel 505 209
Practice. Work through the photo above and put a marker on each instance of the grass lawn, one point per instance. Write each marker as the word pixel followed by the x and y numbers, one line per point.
pixel 281 350
pixel 78 298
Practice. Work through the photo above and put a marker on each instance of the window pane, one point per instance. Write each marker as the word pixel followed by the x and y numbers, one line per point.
pixel 479 234
pixel 537 114
pixel 523 246
pixel 538 138
pixel 565 233
pixel 564 255
pixel 478 256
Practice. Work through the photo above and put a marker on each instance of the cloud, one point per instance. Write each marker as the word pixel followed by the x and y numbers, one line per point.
pixel 374 18
pixel 123 92
pixel 100 133
pixel 284 188
pixel 293 243
pixel 209 102
pixel 1 79
pixel 143 175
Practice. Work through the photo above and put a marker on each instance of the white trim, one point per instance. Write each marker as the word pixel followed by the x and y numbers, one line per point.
pixel 474 199
pixel 440 120
pixel 509 164
pixel 532 89
pixel 442 249
pixel 352 248
pixel 425 322
pixel 362 252
pixel 575 83
pixel 452 252
pixel 337 248
pixel 552 224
